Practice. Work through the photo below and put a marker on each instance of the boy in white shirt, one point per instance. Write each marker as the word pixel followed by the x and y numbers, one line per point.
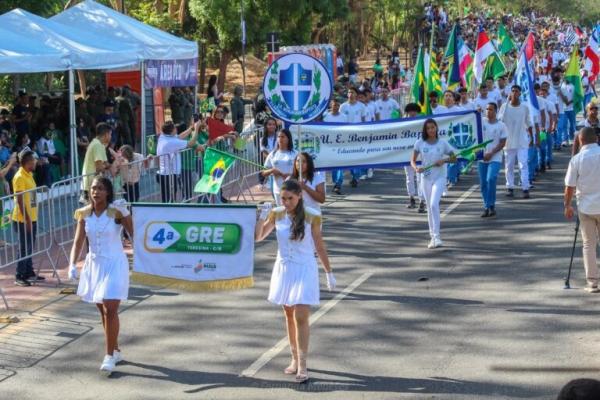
pixel 386 106
pixel 334 115
pixel 355 112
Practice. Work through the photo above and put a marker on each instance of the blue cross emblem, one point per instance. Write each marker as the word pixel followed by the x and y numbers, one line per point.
pixel 295 84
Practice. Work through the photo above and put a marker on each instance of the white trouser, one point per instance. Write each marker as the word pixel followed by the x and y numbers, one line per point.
pixel 520 155
pixel 432 192
pixel 412 181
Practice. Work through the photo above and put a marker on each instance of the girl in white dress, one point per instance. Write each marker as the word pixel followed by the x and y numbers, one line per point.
pixel 432 151
pixel 105 273
pixel 312 182
pixel 295 278
pixel 280 162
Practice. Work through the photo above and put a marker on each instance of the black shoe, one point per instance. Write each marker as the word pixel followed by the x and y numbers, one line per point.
pixel 224 200
pixel 526 194
pixel 486 213
pixel 22 282
pixel 543 168
pixel 549 166
pixel 492 212
pixel 422 207
pixel 412 204
pixel 510 193
pixel 337 190
pixel 34 277
pixel 354 182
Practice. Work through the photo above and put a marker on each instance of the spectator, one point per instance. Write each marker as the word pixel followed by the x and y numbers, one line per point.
pixel 238 108
pixel 131 170
pixel 25 218
pixel 176 102
pixel 126 118
pixel 213 91
pixel 582 180
pixel 21 114
pixel 95 161
pixel 110 118
pixel 5 124
pixel 168 150
pixel 188 105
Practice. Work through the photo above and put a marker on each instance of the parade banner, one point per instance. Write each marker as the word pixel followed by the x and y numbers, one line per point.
pixel 381 144
pixel 170 73
pixel 195 246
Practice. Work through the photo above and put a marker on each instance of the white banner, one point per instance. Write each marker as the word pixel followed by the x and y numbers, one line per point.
pixel 381 144
pixel 194 242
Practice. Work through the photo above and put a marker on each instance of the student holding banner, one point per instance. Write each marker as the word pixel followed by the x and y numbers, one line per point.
pixel 432 152
pixel 311 181
pixel 295 278
pixel 105 273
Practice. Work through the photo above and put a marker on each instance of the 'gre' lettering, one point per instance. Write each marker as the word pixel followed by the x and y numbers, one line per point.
pixel 204 234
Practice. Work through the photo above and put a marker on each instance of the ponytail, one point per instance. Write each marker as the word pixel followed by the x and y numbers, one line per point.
pixel 298 222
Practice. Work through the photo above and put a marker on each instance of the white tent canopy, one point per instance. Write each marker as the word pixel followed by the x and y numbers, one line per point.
pixel 115 27
pixel 18 53
pixel 85 50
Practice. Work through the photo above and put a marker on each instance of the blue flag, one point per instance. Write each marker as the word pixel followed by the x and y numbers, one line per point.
pixel 524 78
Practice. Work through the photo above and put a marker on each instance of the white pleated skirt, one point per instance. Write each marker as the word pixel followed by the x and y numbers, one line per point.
pixel 104 278
pixel 294 283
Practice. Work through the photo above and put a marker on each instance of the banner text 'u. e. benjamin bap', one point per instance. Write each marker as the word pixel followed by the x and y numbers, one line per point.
pixel 378 144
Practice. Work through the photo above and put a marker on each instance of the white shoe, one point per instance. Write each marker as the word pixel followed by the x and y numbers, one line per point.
pixel 363 177
pixel 431 244
pixel 369 173
pixel 437 242
pixel 118 356
pixel 108 365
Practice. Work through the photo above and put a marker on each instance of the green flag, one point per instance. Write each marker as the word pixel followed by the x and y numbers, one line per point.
pixel 574 77
pixel 216 164
pixel 207 105
pixel 418 89
pixel 494 67
pixel 505 43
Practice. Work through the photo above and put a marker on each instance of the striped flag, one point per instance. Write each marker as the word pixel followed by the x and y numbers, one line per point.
pixel 570 37
pixel 466 56
pixel 484 49
pixel 452 55
pixel 592 55
pixel 434 80
pixel 418 89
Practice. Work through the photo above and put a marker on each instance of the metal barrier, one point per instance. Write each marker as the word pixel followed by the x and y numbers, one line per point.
pixel 20 243
pixel 402 96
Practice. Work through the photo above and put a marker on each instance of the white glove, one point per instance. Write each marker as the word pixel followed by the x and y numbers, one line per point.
pixel 73 274
pixel 330 281
pixel 121 206
pixel 265 209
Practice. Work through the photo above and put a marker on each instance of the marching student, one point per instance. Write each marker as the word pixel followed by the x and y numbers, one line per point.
pixel 355 112
pixel 491 163
pixel 295 279
pixel 413 180
pixel 334 115
pixel 432 151
pixel 312 182
pixel 280 162
pixel 105 274
pixel 515 116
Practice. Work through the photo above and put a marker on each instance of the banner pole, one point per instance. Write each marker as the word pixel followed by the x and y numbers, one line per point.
pixel 299 129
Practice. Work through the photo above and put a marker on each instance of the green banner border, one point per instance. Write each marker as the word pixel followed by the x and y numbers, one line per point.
pixel 193 205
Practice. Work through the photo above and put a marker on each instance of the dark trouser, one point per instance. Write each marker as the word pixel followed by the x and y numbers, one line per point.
pixel 168 188
pixel 187 184
pixel 132 192
pixel 26 242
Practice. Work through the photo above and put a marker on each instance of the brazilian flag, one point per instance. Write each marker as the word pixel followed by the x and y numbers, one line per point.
pixel 216 165
pixel 419 89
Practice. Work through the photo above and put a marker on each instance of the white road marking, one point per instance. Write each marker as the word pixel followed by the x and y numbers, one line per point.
pixel 267 356
pixel 457 202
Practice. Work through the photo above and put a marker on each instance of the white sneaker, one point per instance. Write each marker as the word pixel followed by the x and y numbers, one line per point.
pixel 363 177
pixel 437 242
pixel 108 365
pixel 369 173
pixel 118 356
pixel 431 244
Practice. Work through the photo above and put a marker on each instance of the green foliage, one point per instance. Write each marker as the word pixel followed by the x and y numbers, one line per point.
pixel 147 13
pixel 44 8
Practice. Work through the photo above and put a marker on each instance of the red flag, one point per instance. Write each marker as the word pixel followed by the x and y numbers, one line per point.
pixel 529 46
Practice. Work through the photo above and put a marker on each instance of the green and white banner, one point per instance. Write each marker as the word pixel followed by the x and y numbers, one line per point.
pixel 210 245
pixel 380 144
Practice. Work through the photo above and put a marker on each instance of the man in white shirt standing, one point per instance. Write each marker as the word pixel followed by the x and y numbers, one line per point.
pixel 582 179
pixel 334 115
pixel 566 125
pixel 493 92
pixel 386 106
pixel 465 102
pixel 435 107
pixel 491 163
pixel 516 117
pixel 482 99
pixel 355 112
pixel 168 151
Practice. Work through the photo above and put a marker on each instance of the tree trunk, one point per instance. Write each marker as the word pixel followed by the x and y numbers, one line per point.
pixel 173 8
pixel 317 34
pixel 182 11
pixel 159 6
pixel 226 57
pixel 70 3
pixel 202 67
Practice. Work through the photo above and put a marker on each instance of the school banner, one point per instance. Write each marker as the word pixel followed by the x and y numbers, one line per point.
pixel 380 144
pixel 194 246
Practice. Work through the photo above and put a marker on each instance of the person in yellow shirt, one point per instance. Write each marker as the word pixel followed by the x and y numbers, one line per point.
pixel 95 161
pixel 25 217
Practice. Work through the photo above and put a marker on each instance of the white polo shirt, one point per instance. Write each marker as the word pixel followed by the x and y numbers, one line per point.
pixel 168 151
pixel 583 172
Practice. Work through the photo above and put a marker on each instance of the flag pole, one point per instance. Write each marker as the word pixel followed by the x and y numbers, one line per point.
pixel 299 129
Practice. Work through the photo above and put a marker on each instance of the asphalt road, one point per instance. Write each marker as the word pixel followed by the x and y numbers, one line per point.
pixel 484 317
